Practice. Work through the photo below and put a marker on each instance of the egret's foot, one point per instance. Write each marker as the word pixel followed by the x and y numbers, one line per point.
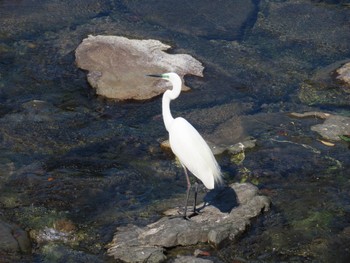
pixel 194 213
pixel 189 214
pixel 181 214
pixel 198 211
pixel 188 217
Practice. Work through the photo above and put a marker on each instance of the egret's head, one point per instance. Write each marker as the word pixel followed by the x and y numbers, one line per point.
pixel 162 76
pixel 171 76
pixel 174 79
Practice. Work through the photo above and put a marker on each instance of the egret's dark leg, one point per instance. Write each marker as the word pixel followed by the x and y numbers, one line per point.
pixel 188 191
pixel 195 197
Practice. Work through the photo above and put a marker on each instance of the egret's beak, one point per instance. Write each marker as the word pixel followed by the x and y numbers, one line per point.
pixel 155 75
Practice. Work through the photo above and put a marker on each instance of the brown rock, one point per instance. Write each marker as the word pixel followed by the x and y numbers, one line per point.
pixel 118 66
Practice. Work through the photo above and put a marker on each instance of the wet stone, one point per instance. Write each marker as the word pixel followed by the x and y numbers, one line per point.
pixel 13 239
pixel 225 214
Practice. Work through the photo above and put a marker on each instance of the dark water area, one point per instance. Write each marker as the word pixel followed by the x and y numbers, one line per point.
pixel 79 164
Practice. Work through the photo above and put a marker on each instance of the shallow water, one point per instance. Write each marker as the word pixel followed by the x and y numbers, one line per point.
pixel 69 155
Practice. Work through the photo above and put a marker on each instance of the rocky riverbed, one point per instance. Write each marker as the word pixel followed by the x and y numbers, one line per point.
pixel 75 167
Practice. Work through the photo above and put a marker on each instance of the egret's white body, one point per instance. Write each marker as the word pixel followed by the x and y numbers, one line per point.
pixel 185 141
pixel 193 152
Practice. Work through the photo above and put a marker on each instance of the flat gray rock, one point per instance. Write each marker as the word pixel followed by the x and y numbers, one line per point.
pixel 333 127
pixel 223 216
pixel 118 66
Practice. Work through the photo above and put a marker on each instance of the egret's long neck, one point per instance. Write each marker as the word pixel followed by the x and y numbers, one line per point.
pixel 168 96
pixel 167 117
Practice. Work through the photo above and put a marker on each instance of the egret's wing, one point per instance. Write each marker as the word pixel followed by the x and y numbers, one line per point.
pixel 193 152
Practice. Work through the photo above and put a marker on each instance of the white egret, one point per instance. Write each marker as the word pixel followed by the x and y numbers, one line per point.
pixel 187 144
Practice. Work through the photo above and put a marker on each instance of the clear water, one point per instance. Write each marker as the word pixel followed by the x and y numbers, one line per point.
pixel 68 154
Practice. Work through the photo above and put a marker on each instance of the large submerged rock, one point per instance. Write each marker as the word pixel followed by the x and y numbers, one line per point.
pixel 224 19
pixel 222 217
pixel 13 239
pixel 328 86
pixel 333 128
pixel 118 66
pixel 305 22
pixel 20 18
